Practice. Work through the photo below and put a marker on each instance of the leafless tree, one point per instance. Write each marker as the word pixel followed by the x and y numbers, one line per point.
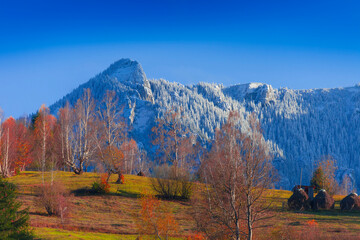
pixel 237 173
pixel 346 186
pixel 79 132
pixel 131 153
pixel 174 141
pixel 172 178
pixel 142 162
pixel 111 134
pixel 44 126
pixel 66 121
pixel 43 113
pixel 4 148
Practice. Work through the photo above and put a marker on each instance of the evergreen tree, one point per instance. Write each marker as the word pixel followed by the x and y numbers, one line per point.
pixel 33 120
pixel 318 179
pixel 14 223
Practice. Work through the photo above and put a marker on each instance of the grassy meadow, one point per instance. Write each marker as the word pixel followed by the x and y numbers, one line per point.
pixel 114 215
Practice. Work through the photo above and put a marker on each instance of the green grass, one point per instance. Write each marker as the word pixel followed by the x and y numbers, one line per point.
pixel 52 233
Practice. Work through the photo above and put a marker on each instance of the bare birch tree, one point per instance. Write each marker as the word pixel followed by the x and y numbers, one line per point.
pixel 44 112
pixel 2 145
pixel 259 176
pixel 131 153
pixel 4 148
pixel 66 121
pixel 43 133
pixel 237 172
pixel 79 132
pixel 110 135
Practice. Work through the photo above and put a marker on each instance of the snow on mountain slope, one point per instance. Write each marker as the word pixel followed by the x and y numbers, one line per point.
pixel 300 125
pixel 124 76
pixel 308 124
pixel 257 92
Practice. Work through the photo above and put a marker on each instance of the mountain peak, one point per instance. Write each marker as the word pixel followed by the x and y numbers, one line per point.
pixel 124 63
pixel 126 70
pixel 129 73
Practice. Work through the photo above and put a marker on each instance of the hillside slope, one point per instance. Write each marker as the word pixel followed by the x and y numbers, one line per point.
pixel 116 215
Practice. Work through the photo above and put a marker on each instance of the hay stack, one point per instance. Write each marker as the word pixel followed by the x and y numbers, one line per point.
pixel 323 200
pixel 299 200
pixel 350 202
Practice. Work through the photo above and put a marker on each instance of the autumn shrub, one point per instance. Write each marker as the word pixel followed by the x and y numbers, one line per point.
pixel 312 231
pixel 14 223
pixel 54 198
pixel 155 218
pixel 196 236
pixel 170 182
pixel 122 179
pixel 101 186
pixel 186 188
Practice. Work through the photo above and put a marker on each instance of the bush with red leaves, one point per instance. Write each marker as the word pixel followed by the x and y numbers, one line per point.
pixel 102 186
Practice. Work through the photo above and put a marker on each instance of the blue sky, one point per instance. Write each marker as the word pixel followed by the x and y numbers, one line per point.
pixel 47 48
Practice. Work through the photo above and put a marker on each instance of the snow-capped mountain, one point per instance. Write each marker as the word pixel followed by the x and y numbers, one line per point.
pixel 301 126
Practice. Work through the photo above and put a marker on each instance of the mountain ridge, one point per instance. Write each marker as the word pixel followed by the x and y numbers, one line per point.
pixel 301 126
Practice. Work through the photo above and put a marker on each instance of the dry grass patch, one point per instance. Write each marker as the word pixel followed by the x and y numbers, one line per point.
pixel 114 215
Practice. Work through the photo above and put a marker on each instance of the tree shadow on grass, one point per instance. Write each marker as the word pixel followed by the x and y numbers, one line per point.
pixel 86 191
pixel 334 215
pixel 124 193
pixel 39 213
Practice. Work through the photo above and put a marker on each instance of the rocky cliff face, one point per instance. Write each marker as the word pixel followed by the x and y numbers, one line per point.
pixel 300 126
pixel 256 92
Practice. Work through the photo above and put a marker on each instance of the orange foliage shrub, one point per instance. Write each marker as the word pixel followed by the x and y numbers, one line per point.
pixel 155 218
pixel 196 236
pixel 104 183
pixel 101 187
pixel 312 223
pixel 122 179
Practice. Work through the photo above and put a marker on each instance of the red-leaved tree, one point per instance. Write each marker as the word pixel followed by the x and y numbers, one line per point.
pixel 23 147
pixel 15 148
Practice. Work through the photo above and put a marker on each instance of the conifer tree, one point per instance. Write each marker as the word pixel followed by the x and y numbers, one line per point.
pixel 318 179
pixel 14 223
pixel 324 176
